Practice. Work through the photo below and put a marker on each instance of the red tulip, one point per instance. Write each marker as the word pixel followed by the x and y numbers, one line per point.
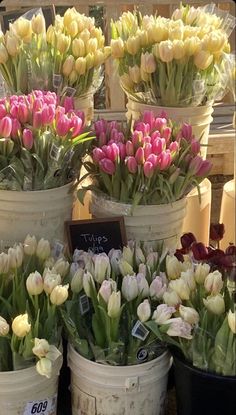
pixel 107 166
pixel 98 154
pixel 199 251
pixel 187 239
pixel 139 155
pixel 217 231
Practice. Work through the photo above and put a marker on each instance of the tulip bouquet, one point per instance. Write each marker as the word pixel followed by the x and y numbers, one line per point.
pixel 156 163
pixel 41 142
pixel 198 310
pixel 77 51
pixel 31 293
pixel 111 298
pixel 176 62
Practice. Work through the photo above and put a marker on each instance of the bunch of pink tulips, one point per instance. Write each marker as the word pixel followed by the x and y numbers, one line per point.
pixel 40 141
pixel 157 162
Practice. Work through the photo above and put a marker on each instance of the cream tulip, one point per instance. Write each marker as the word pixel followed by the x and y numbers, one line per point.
pixel 59 294
pixel 4 327
pixel 38 24
pixel 34 283
pixel 21 326
pixel 215 304
pixel 80 66
pixel 114 305
pixel 68 65
pixel 203 59
pixel 30 245
pixel 144 311
pixel 166 51
pixel 117 48
pixel 189 314
pixel 232 321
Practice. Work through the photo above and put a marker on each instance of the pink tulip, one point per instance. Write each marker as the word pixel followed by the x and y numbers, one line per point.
pixel 195 146
pixel 164 160
pixel 154 135
pixel 129 148
pixel 102 139
pixel 195 164
pixel 137 139
pixel 98 154
pixel 3 111
pixel 13 99
pixel 38 104
pixel 112 152
pixel 122 150
pixel 153 159
pixel 14 110
pixel 148 169
pixel 160 123
pixel 23 113
pixel 148 118
pixel 114 135
pixel 139 155
pixel 63 125
pixel 141 126
pixel 68 104
pixel 5 127
pixel 100 126
pixel 147 139
pixel 16 127
pixel 186 131
pixel 37 119
pixel 174 147
pixel 158 145
pixel 121 137
pixel 204 168
pixel 166 133
pixel 111 125
pixel 75 126
pixel 132 164
pixel 147 150
pixel 27 138
pixel 107 166
pixel 163 114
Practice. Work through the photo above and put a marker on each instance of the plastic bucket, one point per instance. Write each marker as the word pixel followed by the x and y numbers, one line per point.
pixel 200 392
pixel 227 214
pixel 199 117
pixel 85 104
pixel 198 213
pixel 41 213
pixel 149 223
pixel 25 392
pixel 118 390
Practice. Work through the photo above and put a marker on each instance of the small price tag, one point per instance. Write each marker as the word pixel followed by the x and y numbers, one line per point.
pixel 140 331
pixel 142 355
pixel 57 249
pixel 55 152
pixel 84 304
pixel 56 80
pixel 69 92
pixel 68 156
pixel 41 407
pixel 199 86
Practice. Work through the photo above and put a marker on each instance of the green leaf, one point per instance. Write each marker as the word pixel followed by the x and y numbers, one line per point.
pixel 81 195
pixel 39 161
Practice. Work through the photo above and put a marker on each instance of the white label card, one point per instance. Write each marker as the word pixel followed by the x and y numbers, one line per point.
pixel 47 406
pixel 139 331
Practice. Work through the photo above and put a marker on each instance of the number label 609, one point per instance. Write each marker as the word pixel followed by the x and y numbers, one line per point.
pixel 39 407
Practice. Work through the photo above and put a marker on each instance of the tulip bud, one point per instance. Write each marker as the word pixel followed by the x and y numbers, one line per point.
pixel 163 313
pixel 125 268
pixel 44 367
pixel 217 231
pixel 59 294
pixel 181 288
pixel 178 49
pixel 143 287
pixel 201 271
pixel 148 169
pixel 20 325
pixel 72 29
pixel 80 65
pixel 133 45
pixel 50 281
pixel 68 65
pixel 231 321
pixel 215 304
pixel 199 251
pixel 134 73
pixel 30 245
pixel 77 281
pixel 61 267
pixel 43 249
pixel 173 267
pixel 41 347
pixel 189 314
pixel 107 166
pixel 12 45
pixel 78 48
pixel 203 59
pixel 214 282
pixel 4 263
pixel 88 283
pixel 148 63
pixel 38 24
pixel 187 239
pixel 5 127
pixel 192 46
pixel 34 283
pixel 102 267
pixel 4 327
pixel 179 328
pixel 23 29
pixel 129 287
pixel 157 288
pixel 144 311
pixel 85 35
pixel 27 138
pixel 166 51
pixel 171 298
pixel 114 305
pixel 3 54
pixel 117 48
pixel 63 43
pixel 132 164
pixel 105 290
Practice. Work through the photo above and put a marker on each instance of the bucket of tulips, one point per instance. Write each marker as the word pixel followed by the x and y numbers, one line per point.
pixel 41 149
pixel 196 317
pixel 32 290
pixel 177 62
pixel 144 174
pixel 116 364
pixel 66 58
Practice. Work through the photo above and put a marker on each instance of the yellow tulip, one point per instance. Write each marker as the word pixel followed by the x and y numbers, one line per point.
pixel 192 15
pixel 78 48
pixel 92 45
pixel 203 59
pixel 23 28
pixel 73 77
pixel 3 54
pixel 176 32
pixel 20 325
pixel 81 23
pixel 178 49
pixel 85 35
pixel 89 60
pixel 38 24
pixel 80 65
pixel 12 45
pixel 99 58
pixel 148 63
pixel 126 81
pixel 72 29
pixel 50 36
pixel 133 45
pixel 69 16
pixel 135 74
pixel 166 51
pixel 157 33
pixel 59 24
pixel 192 46
pixel 214 42
pixel 144 75
pixel 117 48
pixel 143 37
pixel 68 65
pixel 63 43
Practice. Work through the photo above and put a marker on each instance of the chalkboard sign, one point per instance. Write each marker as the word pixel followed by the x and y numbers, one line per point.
pixel 97 235
pixel 9 17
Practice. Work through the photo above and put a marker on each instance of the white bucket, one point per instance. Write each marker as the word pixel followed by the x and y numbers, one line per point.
pixel 85 104
pixel 118 390
pixel 25 392
pixel 149 223
pixel 199 117
pixel 227 214
pixel 41 213
pixel 198 214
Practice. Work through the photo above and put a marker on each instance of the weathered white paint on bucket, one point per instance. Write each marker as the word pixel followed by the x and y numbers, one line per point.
pixel 85 104
pixel 41 213
pixel 199 117
pixel 23 392
pixel 118 390
pixel 152 223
